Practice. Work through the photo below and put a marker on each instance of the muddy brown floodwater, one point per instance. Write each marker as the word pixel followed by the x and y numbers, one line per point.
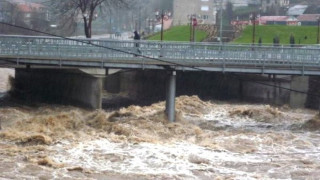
pixel 210 140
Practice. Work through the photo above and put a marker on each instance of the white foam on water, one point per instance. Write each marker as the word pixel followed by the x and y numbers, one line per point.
pixel 4 78
pixel 155 159
pixel 260 145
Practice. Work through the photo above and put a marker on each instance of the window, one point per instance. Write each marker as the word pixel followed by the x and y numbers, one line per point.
pixel 205 17
pixel 204 8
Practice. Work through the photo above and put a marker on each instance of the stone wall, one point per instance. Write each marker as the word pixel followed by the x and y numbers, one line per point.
pixel 210 29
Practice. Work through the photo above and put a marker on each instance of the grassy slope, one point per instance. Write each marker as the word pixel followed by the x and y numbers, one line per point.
pixel 179 33
pixel 268 32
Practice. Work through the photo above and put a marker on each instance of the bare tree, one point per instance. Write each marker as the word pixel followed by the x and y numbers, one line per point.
pixel 84 9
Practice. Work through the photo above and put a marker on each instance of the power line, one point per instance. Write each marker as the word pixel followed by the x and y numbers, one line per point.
pixel 139 55
pixel 96 45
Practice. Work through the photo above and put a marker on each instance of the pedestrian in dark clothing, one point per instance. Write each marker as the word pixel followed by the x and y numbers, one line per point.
pixel 137 38
pixel 292 42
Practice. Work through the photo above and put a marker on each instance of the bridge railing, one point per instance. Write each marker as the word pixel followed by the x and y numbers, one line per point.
pixel 41 41
pixel 182 52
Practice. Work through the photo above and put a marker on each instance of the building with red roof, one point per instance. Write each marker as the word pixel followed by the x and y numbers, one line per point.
pixel 309 17
pixel 263 20
pixel 21 12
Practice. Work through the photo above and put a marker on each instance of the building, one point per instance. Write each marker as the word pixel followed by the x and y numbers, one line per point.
pixel 29 12
pixel 297 10
pixel 14 11
pixel 204 10
pixel 273 20
pixel 266 5
pixel 243 3
pixel 308 19
pixel 302 20
pixel 6 10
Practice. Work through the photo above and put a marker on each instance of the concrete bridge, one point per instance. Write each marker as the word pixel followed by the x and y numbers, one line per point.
pixel 30 55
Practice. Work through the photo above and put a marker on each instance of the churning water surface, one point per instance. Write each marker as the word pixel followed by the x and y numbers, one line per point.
pixel 210 140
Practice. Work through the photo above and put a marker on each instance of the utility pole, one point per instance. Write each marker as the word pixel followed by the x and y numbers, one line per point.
pixel 221 9
pixel 162 16
pixel 190 28
pixel 318 30
pixel 253 18
pixel 139 25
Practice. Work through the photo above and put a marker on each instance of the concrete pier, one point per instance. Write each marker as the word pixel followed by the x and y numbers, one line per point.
pixel 61 86
pixel 299 83
pixel 170 97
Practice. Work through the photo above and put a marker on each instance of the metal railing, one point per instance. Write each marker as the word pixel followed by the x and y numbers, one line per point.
pixel 183 53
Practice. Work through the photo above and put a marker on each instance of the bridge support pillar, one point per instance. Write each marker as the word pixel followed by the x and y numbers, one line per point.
pixel 299 83
pixel 170 97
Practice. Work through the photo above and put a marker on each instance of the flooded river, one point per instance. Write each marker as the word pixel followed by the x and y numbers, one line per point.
pixel 210 140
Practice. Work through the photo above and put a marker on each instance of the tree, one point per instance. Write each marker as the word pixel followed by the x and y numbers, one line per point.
pixel 87 10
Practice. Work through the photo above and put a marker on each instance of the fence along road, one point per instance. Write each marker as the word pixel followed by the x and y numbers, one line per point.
pixel 58 52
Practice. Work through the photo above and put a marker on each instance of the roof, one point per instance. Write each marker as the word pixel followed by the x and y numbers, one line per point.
pixel 24 8
pixel 17 1
pixel 308 17
pixel 264 19
pixel 297 10
pixel 29 7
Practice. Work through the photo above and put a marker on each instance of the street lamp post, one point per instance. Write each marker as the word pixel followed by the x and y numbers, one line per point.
pixel 193 23
pixel 153 24
pixel 190 18
pixel 162 16
pixel 318 30
pixel 161 20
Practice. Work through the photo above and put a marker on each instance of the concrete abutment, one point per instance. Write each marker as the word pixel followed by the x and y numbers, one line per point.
pixel 262 89
pixel 85 87
pixel 60 86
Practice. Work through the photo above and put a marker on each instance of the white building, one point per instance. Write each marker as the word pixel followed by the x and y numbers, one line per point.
pixel 297 10
pixel 204 10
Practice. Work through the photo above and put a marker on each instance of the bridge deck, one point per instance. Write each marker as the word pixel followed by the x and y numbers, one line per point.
pixel 58 52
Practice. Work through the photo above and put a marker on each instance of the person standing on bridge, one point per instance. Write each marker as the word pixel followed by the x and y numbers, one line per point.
pixel 137 38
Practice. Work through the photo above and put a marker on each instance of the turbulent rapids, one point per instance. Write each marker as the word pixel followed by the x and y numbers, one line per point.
pixel 210 140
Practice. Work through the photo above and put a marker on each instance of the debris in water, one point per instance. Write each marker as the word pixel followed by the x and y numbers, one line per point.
pixel 312 124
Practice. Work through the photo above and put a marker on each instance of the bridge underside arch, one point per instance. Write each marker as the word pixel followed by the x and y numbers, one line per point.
pixel 60 86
